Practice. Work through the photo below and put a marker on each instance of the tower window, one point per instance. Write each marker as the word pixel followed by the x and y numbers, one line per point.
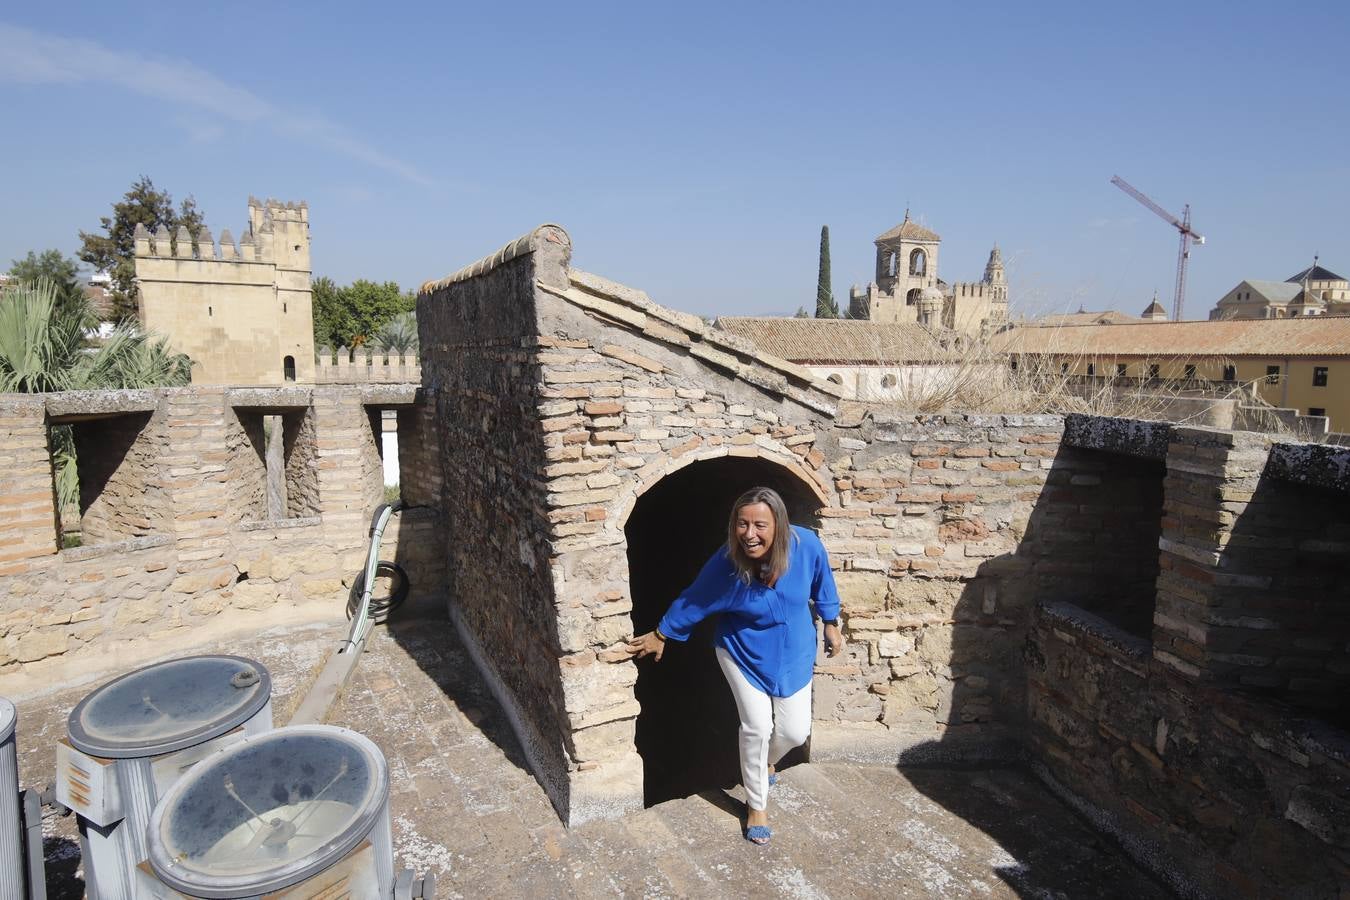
pixel 1319 376
pixel 1092 369
pixel 912 297
pixel 1153 370
pixel 1316 411
pixel 890 265
pixel 1230 373
pixel 1121 370
pixel 1190 371
pixel 288 368
pixel 1272 374
pixel 918 263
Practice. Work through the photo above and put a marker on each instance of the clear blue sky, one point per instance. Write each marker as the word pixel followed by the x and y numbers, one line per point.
pixel 694 149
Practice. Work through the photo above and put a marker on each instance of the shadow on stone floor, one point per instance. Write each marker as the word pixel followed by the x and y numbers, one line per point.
pixel 1081 862
pixel 437 651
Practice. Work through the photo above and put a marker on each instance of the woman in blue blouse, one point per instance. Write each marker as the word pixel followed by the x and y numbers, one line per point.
pixel 762 583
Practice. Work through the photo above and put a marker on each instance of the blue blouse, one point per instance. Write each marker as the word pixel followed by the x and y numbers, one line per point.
pixel 767 630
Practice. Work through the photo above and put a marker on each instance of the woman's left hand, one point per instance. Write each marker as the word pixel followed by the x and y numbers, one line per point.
pixel 834 641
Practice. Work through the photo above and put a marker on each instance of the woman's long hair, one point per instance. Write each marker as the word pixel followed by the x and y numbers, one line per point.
pixel 776 562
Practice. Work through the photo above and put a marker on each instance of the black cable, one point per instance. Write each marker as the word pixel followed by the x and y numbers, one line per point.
pixel 380 607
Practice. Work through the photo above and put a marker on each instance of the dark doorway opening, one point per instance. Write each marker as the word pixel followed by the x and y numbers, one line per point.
pixel 687 730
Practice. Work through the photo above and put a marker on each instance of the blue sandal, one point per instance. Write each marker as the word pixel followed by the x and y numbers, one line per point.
pixel 773 778
pixel 758 834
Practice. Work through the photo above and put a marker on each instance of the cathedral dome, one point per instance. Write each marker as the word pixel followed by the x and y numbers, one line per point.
pixel 930 295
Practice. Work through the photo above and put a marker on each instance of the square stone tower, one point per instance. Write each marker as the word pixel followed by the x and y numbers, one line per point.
pixel 242 313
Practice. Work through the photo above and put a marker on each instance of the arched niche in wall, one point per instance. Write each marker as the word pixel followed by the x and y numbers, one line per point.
pixel 687 730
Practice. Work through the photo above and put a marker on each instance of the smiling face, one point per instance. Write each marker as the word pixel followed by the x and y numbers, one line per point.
pixel 755 530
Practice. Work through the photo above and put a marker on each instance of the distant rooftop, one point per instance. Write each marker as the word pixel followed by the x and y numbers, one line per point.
pixel 1274 291
pixel 1084 317
pixel 909 231
pixel 1314 273
pixel 836 340
pixel 1313 336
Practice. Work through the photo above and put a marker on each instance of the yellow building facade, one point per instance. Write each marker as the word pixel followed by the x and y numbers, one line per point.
pixel 1301 364
pixel 243 313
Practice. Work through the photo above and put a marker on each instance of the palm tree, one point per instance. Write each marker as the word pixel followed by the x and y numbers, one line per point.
pixel 399 334
pixel 45 346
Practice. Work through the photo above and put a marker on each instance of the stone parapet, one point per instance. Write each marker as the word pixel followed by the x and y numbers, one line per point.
pixel 178 542
pixel 366 366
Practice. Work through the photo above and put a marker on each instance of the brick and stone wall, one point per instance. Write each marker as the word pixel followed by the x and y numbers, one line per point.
pixel 478 340
pixel 177 543
pixel 121 489
pixel 1215 747
pixel 566 398
pixel 1072 589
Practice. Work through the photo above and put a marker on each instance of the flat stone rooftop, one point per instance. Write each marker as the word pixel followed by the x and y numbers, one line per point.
pixel 466 810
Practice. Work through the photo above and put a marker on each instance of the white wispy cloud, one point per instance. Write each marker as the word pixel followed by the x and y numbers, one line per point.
pixel 32 57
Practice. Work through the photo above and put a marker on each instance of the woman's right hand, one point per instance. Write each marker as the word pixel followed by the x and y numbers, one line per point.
pixel 649 644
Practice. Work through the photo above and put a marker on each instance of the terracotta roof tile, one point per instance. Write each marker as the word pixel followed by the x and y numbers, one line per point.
pixel 836 340
pixel 1106 317
pixel 1312 336
pixel 909 231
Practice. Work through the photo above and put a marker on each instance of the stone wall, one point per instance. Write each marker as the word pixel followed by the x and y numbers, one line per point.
pixel 209 560
pixel 568 398
pixel 478 340
pixel 1215 747
pixel 121 490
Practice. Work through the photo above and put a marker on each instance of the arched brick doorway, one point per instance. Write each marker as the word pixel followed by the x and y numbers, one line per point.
pixel 686 732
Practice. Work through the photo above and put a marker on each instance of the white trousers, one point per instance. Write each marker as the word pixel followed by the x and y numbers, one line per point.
pixel 770 727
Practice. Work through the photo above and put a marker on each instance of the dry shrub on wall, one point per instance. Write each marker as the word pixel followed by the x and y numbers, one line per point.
pixel 978 375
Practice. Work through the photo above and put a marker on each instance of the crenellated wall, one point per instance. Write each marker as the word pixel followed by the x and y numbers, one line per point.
pixel 239 311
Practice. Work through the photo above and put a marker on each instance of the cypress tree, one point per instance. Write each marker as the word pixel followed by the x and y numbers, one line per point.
pixel 826 308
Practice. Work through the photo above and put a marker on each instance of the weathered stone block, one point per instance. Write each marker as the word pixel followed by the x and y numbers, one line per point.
pixel 862 590
pixel 37 645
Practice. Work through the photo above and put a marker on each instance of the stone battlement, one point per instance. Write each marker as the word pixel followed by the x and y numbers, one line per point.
pixel 241 311
pixel 271 225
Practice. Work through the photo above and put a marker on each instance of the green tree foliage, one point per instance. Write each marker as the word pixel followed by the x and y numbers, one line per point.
pixel 354 316
pixel 114 250
pixel 55 267
pixel 801 313
pixel 826 308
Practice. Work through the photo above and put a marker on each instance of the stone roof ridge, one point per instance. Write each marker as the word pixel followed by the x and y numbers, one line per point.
pixel 730 352
pixel 522 245
pixel 692 324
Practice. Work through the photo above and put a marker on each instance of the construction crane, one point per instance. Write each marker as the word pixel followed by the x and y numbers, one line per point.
pixel 1188 236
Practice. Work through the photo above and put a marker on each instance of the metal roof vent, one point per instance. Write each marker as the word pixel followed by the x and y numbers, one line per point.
pixel 130 740
pixel 295 812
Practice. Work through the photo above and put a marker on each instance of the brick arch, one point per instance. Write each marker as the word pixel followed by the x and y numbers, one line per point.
pixel 626 503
